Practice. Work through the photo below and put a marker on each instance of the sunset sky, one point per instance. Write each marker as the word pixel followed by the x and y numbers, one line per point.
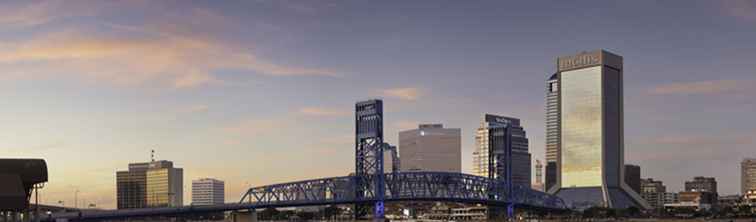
pixel 261 92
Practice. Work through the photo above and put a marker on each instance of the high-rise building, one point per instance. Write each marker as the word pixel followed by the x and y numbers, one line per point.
pixel 208 191
pixel 501 150
pixel 431 147
pixel 633 177
pixel 591 149
pixel 553 131
pixel 747 175
pixel 131 186
pixel 391 162
pixel 152 184
pixel 702 184
pixel 653 192
pixel 538 185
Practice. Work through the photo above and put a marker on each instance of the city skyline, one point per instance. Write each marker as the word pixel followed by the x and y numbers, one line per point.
pixel 687 86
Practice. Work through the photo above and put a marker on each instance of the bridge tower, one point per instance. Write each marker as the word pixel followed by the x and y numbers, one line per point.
pixel 370 180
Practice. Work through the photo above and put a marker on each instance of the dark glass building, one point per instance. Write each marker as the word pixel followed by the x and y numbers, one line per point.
pixel 590 158
pixel 502 150
pixel 633 177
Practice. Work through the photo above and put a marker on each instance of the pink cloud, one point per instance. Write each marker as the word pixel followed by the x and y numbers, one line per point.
pixel 323 112
pixel 177 54
pixel 743 9
pixel 703 87
pixel 407 94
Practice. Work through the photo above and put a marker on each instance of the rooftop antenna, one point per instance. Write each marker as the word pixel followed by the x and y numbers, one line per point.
pixel 152 156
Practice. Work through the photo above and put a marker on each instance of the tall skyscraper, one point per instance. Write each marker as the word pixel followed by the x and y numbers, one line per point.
pixel 590 153
pixel 208 191
pixel 431 147
pixel 747 175
pixel 501 150
pixel 152 184
pixel 633 177
pixel 553 131
pixel 538 185
pixel 701 184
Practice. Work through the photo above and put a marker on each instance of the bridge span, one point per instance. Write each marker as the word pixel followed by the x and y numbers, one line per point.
pixel 400 186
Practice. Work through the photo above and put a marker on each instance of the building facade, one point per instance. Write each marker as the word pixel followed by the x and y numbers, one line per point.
pixel 501 150
pixel 152 184
pixel 633 177
pixel 653 192
pixel 553 131
pixel 208 191
pixel 391 162
pixel 431 147
pixel 747 175
pixel 131 186
pixel 694 200
pixel 701 184
pixel 538 185
pixel 591 149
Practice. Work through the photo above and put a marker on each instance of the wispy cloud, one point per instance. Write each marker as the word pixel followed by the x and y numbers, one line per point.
pixel 255 127
pixel 407 94
pixel 703 87
pixel 194 109
pixel 323 112
pixel 404 125
pixel 174 60
pixel 743 9
pixel 692 146
pixel 129 55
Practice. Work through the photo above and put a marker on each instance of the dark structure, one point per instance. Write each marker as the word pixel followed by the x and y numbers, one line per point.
pixel 18 178
pixel 509 158
pixel 551 176
pixel 702 184
pixel 633 177
pixel 369 155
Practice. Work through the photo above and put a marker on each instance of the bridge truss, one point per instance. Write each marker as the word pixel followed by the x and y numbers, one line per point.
pixel 402 186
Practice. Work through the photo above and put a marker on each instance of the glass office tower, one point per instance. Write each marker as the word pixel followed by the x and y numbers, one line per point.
pixel 591 147
pixel 502 150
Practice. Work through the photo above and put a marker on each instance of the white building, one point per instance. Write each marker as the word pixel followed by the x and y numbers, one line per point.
pixel 431 147
pixel 208 191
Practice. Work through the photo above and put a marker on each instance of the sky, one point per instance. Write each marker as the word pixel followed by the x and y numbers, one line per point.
pixel 262 92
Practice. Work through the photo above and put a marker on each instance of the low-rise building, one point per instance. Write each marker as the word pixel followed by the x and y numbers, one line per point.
pixel 699 201
pixel 654 192
pixel 470 213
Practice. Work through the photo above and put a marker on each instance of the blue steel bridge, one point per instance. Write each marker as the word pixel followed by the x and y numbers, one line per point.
pixel 369 188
